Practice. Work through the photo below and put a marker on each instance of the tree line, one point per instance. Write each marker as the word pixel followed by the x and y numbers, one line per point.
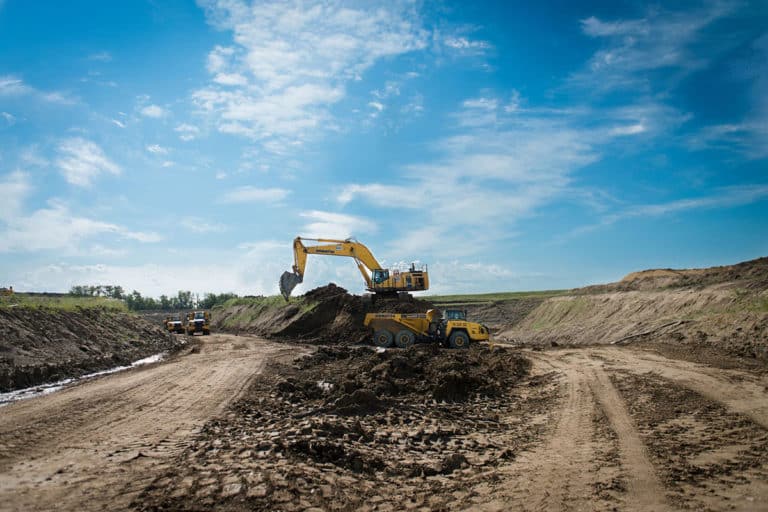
pixel 136 302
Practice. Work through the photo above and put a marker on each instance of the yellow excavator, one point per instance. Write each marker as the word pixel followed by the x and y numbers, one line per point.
pixel 379 281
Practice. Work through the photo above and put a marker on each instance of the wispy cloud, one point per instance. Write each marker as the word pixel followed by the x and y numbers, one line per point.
pixel 187 132
pixel 102 56
pixel 12 86
pixel 250 194
pixel 157 149
pixel 199 225
pixel 726 197
pixel 81 160
pixel 153 111
pixel 14 189
pixel 634 47
pixel 335 225
pixel 289 63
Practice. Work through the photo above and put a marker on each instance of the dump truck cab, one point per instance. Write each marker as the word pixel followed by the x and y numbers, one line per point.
pixel 405 329
pixel 198 321
pixel 174 324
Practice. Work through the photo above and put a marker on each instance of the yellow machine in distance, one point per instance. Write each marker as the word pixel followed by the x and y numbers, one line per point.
pixel 198 321
pixel 174 324
pixel 378 280
pixel 405 329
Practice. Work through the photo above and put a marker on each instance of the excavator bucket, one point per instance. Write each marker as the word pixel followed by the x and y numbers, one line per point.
pixel 288 282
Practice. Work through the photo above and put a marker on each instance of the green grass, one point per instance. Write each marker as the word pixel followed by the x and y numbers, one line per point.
pixel 257 306
pixel 60 303
pixel 484 298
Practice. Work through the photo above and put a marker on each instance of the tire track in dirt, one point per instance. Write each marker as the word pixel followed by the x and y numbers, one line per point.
pixel 644 491
pixel 569 471
pixel 739 391
pixel 99 443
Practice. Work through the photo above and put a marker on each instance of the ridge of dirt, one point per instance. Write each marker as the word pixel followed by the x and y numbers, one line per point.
pixel 41 345
pixel 752 274
pixel 324 315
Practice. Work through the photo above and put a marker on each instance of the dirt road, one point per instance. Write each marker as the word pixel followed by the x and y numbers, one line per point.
pixel 96 445
pixel 591 428
pixel 636 431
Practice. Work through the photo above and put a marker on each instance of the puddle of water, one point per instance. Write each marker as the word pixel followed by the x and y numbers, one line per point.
pixel 45 389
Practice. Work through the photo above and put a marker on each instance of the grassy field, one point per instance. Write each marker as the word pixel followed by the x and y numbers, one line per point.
pixel 484 298
pixel 60 302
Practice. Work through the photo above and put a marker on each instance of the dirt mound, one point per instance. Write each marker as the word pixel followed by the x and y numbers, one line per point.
pixel 42 345
pixel 350 426
pixel 325 315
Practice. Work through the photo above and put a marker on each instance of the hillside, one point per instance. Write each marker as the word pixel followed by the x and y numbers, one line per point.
pixel 48 341
pixel 722 309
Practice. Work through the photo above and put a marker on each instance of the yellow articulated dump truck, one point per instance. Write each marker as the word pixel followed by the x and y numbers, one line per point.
pixel 404 329
pixel 174 324
pixel 198 321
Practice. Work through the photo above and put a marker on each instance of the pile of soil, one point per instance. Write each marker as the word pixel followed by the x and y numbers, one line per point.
pixel 344 424
pixel 325 315
pixel 40 345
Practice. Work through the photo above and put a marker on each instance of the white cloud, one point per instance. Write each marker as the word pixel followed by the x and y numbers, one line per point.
pixel 661 40
pixel 632 129
pixel 335 225
pixel 57 228
pixel 250 194
pixel 157 149
pixel 725 197
pixel 101 56
pixel 10 119
pixel 187 132
pixel 168 163
pixel 81 160
pixel 467 46
pixel 481 103
pixel 117 123
pixel 198 225
pixel 289 63
pixel 12 86
pixel 153 111
pixel 14 188
pixel 221 175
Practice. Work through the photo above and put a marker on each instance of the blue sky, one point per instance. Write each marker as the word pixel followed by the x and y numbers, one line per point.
pixel 509 145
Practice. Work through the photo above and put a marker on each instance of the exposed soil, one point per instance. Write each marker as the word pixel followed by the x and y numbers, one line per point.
pixel 700 315
pixel 333 316
pixel 40 345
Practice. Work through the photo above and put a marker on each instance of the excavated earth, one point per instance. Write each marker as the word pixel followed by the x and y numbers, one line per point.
pixel 342 429
pixel 40 345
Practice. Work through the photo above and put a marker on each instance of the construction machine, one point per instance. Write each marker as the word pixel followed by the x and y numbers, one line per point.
pixel 174 324
pixel 6 291
pixel 378 280
pixel 404 329
pixel 198 321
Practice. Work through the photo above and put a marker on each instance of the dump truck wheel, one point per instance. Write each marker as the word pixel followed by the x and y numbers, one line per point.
pixel 404 338
pixel 458 339
pixel 382 338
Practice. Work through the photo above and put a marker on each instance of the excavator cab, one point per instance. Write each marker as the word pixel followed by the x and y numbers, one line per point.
pixel 380 275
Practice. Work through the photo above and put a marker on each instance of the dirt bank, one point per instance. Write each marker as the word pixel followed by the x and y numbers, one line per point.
pixel 694 313
pixel 327 314
pixel 41 345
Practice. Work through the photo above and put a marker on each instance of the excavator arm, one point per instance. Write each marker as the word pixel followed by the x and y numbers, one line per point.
pixel 364 259
pixel 376 278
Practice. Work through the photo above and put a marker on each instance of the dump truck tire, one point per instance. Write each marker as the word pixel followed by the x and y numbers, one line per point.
pixel 458 339
pixel 382 338
pixel 404 338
